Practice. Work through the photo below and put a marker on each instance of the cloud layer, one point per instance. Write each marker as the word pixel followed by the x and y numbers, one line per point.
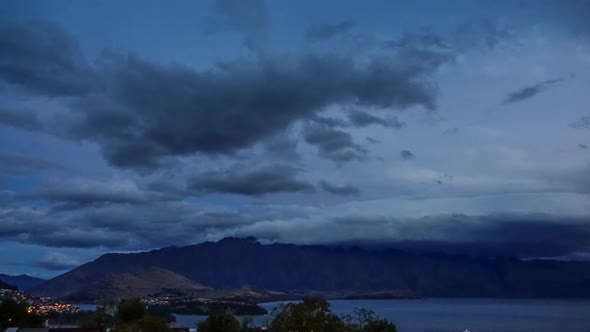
pixel 268 180
pixel 294 122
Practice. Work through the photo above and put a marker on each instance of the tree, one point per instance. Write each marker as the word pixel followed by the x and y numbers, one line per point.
pixel 380 325
pixel 312 314
pixel 152 324
pixel 364 320
pixel 11 312
pixel 246 323
pixel 132 316
pixel 130 310
pixel 224 322
pixel 100 318
pixel 14 313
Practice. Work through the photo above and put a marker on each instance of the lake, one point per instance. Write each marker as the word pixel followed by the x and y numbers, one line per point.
pixel 456 315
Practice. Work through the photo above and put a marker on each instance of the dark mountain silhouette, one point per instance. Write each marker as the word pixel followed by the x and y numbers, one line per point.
pixel 150 281
pixel 157 282
pixel 22 282
pixel 233 263
pixel 4 285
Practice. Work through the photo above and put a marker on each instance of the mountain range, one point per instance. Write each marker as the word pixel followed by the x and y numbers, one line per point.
pixel 137 284
pixel 234 263
pixel 4 285
pixel 22 282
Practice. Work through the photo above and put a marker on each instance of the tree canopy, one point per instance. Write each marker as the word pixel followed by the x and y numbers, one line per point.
pixel 224 322
pixel 13 313
pixel 130 310
pixel 132 316
pixel 314 314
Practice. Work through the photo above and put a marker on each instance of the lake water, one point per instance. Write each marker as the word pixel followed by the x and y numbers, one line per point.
pixel 456 315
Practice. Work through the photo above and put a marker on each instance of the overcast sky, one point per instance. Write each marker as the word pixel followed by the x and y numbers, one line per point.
pixel 455 126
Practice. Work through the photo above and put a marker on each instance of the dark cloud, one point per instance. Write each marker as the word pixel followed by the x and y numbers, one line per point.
pixel 443 178
pixel 215 111
pixel 220 112
pixel 283 148
pixel 22 222
pixel 358 119
pixel 581 123
pixel 583 146
pixel 479 35
pixel 372 140
pixel 257 182
pixel 141 114
pixel 426 47
pixel 343 190
pixel 452 131
pixel 524 236
pixel 421 40
pixel 363 119
pixel 57 262
pixel 422 59
pixel 571 17
pixel 320 32
pixel 18 164
pixel 406 155
pixel 330 122
pixel 116 225
pixel 529 92
pixel 250 18
pixel 74 193
pixel 122 226
pixel 20 119
pixel 76 238
pixel 221 220
pixel 333 144
pixel 476 35
pixel 44 59
pixel 154 225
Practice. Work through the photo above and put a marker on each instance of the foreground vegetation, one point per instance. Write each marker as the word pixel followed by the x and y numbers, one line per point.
pixel 126 316
pixel 311 314
pixel 14 313
pixel 131 315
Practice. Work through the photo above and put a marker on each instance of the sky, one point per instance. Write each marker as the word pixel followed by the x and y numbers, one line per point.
pixel 450 126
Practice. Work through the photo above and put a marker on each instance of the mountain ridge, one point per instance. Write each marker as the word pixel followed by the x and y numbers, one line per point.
pixel 22 281
pixel 148 282
pixel 4 285
pixel 232 263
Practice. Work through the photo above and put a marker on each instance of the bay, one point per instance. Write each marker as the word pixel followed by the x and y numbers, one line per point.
pixel 456 315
